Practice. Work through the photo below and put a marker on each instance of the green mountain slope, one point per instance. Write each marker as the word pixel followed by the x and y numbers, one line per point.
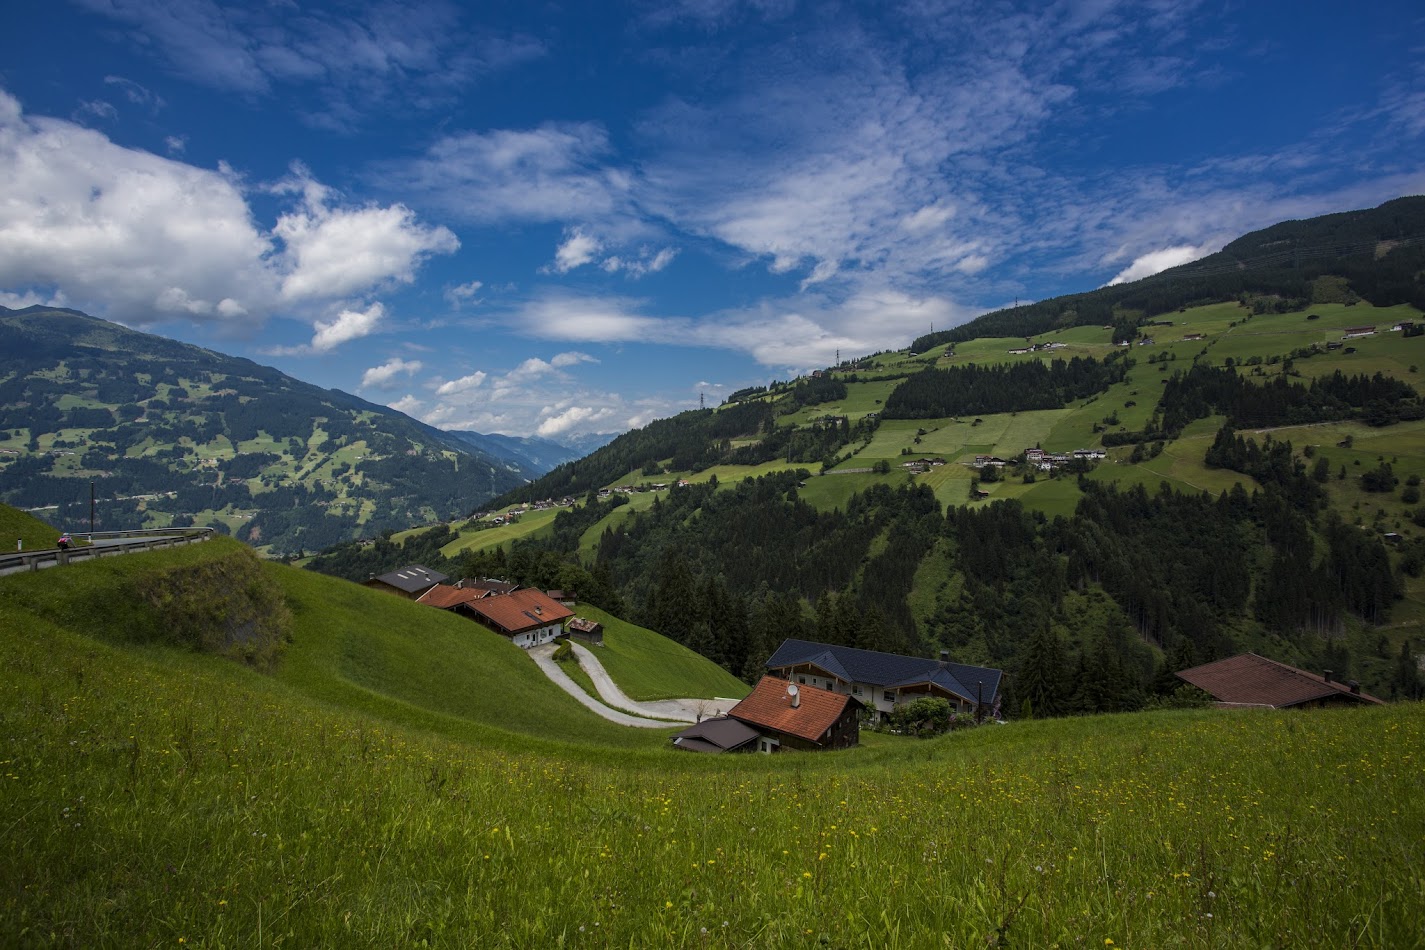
pixel 175 434
pixel 1375 254
pixel 1252 382
pixel 158 796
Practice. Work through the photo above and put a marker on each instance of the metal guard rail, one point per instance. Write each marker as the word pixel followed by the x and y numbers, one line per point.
pixel 144 539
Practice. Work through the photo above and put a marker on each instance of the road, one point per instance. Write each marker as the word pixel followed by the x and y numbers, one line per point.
pixel 543 657
pixel 678 710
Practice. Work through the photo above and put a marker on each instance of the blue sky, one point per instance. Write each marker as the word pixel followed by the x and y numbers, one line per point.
pixel 557 219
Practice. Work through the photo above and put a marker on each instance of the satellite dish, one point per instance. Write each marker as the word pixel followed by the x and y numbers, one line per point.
pixel 792 689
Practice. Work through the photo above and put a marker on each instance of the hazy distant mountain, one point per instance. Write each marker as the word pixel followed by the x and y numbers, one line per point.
pixel 535 455
pixel 174 433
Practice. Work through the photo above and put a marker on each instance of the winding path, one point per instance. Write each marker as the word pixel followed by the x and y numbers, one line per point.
pixel 677 710
pixel 543 657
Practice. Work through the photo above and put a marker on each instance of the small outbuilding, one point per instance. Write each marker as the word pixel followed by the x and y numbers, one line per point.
pixel 589 631
pixel 721 734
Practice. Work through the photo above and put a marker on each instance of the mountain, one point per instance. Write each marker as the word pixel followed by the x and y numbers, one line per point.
pixel 1376 254
pixel 1097 489
pixel 170 433
pixel 533 455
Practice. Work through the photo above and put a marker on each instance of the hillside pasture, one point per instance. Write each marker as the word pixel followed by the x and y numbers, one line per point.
pixel 164 798
pixel 531 524
pixel 831 491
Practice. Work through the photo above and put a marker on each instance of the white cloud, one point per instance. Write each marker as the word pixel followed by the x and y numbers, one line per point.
pixel 176 144
pixel 348 325
pixel 136 93
pixel 461 294
pixel 338 251
pixel 463 384
pixel 645 263
pixel 141 238
pixel 575 416
pixel 30 299
pixel 98 109
pixel 408 404
pixel 550 173
pixel 124 231
pixel 382 56
pixel 381 376
pixel 1151 263
pixel 801 332
pixel 576 250
pixel 571 358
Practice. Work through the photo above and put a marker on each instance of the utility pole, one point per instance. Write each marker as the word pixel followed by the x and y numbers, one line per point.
pixel 702 401
pixel 91 509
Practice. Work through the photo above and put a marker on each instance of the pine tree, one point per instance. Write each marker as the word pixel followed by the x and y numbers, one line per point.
pixel 1040 681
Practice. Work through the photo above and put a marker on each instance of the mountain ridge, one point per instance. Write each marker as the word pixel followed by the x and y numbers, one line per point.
pixel 280 462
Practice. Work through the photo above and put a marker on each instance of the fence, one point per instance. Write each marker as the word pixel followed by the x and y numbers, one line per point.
pixel 106 544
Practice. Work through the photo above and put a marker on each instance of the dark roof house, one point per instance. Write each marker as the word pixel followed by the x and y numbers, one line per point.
pixel 717 735
pixel 799 717
pixel 892 676
pixel 1251 680
pixel 410 581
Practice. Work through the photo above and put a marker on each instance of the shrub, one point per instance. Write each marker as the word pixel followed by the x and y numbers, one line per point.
pixel 224 606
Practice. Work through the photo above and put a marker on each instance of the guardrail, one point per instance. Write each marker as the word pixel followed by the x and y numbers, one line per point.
pixel 117 542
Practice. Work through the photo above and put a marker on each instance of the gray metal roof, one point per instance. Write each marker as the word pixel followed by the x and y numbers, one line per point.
pixel 889 670
pixel 412 578
pixel 719 734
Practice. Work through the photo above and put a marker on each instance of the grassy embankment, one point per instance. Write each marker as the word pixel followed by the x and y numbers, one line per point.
pixel 154 796
pixel 31 533
pixel 649 666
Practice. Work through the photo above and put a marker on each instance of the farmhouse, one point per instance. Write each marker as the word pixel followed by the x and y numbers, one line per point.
pixel 883 680
pixel 1249 680
pixel 450 596
pixel 527 617
pixel 409 582
pixel 1353 333
pixel 788 716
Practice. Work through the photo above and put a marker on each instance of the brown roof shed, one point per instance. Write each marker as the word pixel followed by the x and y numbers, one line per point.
pixel 1251 680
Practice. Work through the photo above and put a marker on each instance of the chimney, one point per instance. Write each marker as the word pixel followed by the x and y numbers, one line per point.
pixel 1327 674
pixel 944 656
pixel 1355 687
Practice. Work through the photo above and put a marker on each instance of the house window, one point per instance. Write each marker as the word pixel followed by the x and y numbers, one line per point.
pixel 801 679
pixel 856 690
pixel 888 696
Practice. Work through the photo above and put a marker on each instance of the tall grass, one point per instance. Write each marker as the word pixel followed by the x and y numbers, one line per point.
pixel 156 797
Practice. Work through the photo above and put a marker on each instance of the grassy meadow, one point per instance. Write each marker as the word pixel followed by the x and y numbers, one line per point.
pixel 365 796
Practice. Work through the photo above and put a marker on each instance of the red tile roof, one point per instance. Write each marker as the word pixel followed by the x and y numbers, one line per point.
pixel 445 596
pixel 1251 680
pixel 520 610
pixel 769 707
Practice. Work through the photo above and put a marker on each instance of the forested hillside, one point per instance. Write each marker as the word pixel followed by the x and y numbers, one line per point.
pixel 174 434
pixel 1162 474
